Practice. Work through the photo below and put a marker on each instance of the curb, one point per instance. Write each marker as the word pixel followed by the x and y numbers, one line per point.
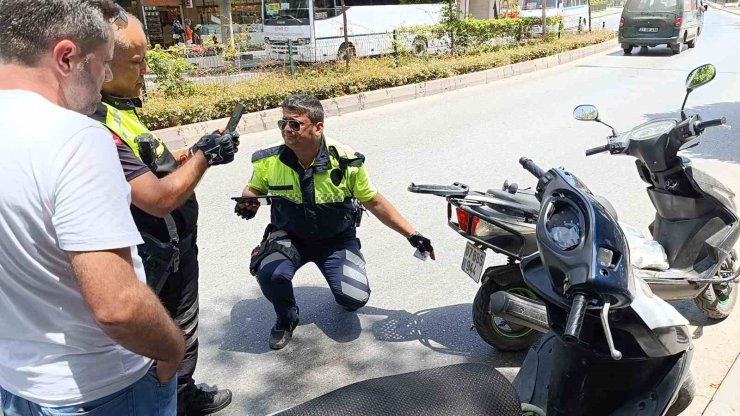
pixel 726 401
pixel 182 136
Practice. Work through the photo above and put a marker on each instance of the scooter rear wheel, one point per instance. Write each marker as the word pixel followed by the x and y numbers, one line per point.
pixel 495 331
pixel 718 301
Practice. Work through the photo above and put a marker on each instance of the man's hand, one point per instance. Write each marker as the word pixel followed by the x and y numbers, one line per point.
pixel 218 149
pixel 166 371
pixel 247 210
pixel 234 137
pixel 423 244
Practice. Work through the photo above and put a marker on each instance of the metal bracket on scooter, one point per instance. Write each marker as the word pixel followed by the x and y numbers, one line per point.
pixel 616 354
pixel 717 280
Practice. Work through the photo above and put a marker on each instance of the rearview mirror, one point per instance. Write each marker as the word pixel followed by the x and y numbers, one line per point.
pixel 700 76
pixel 586 113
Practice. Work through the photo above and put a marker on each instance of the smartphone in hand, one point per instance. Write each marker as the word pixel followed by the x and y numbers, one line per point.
pixel 236 116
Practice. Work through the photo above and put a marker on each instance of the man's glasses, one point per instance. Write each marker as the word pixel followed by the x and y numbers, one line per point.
pixel 120 20
pixel 294 125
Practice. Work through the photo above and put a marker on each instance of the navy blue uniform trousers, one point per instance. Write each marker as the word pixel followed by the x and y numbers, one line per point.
pixel 343 267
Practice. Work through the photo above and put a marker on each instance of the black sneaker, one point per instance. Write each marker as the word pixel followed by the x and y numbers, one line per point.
pixel 280 334
pixel 205 402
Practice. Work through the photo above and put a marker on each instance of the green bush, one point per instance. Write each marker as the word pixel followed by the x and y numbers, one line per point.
pixel 208 102
pixel 169 66
pixel 471 34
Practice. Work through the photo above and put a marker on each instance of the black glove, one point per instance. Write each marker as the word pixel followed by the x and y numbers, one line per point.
pixel 217 149
pixel 246 210
pixel 234 138
pixel 422 243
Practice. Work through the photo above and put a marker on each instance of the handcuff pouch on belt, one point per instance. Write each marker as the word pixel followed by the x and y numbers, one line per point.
pixel 273 241
pixel 160 258
pixel 344 163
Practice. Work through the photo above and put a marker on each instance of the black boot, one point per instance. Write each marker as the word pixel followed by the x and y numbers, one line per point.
pixel 281 334
pixel 205 402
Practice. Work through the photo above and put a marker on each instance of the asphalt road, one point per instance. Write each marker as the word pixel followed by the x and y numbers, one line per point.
pixel 419 315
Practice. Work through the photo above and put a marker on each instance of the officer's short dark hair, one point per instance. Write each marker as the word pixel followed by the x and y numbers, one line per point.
pixel 305 104
pixel 28 28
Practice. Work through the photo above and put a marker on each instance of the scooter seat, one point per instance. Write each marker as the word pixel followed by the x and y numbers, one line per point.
pixel 460 389
pixel 528 202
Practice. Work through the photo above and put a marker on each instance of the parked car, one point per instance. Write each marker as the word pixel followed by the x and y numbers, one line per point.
pixel 650 23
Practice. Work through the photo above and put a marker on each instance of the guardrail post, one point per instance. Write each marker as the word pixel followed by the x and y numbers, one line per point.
pixel 290 57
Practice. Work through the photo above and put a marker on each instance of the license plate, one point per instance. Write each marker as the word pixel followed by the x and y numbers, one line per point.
pixel 648 29
pixel 473 261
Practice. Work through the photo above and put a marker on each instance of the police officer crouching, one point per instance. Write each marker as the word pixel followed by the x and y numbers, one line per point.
pixel 323 186
pixel 163 205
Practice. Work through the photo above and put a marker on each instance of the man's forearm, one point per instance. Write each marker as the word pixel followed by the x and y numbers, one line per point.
pixel 151 332
pixel 251 192
pixel 181 183
pixel 389 215
pixel 125 308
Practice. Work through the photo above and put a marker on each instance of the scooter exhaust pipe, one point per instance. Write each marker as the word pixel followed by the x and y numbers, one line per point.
pixel 519 310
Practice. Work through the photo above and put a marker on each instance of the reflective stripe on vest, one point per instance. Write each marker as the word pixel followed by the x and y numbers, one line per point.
pixel 126 125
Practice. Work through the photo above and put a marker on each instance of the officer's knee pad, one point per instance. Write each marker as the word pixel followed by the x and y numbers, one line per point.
pixel 352 301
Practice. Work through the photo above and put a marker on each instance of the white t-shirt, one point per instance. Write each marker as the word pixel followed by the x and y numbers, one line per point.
pixel 61 189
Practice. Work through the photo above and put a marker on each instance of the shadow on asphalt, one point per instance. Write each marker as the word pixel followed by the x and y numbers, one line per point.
pixel 718 143
pixel 443 330
pixel 660 50
pixel 295 374
pixel 695 316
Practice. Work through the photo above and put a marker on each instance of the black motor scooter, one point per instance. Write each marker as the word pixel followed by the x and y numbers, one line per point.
pixel 502 221
pixel 695 221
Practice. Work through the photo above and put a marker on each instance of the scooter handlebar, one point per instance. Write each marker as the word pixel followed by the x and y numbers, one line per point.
pixel 701 125
pixel 598 149
pixel 575 319
pixel 531 167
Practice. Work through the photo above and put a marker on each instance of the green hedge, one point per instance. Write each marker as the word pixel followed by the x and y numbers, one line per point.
pixel 214 101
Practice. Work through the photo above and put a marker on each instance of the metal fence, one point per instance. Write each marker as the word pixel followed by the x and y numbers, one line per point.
pixel 214 66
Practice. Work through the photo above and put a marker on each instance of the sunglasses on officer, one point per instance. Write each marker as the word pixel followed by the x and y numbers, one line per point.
pixel 294 125
pixel 120 20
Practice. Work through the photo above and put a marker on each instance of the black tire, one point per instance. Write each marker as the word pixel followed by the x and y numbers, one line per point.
pixel 684 398
pixel 692 43
pixel 343 51
pixel 419 47
pixel 495 331
pixel 628 50
pixel 717 301
pixel 676 49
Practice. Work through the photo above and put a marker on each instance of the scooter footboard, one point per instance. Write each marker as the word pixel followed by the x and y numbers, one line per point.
pixel 460 389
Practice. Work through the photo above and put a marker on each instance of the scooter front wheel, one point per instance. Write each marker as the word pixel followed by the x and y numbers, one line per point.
pixel 684 397
pixel 497 332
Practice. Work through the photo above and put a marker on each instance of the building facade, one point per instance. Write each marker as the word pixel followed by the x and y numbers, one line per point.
pixel 222 19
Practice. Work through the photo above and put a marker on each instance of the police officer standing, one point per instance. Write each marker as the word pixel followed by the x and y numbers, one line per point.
pixel 323 186
pixel 163 204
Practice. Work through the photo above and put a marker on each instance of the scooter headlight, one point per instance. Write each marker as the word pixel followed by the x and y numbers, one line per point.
pixel 565 224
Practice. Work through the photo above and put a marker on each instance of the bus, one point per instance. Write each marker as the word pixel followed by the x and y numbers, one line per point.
pixel 571 11
pixel 315 28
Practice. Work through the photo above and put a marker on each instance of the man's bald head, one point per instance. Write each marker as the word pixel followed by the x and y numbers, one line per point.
pixel 129 63
pixel 133 35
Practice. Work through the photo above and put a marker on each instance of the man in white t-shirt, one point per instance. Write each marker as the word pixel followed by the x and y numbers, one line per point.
pixel 78 320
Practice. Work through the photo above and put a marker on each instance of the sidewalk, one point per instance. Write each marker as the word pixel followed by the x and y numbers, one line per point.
pixel 608 12
pixel 726 401
pixel 734 9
